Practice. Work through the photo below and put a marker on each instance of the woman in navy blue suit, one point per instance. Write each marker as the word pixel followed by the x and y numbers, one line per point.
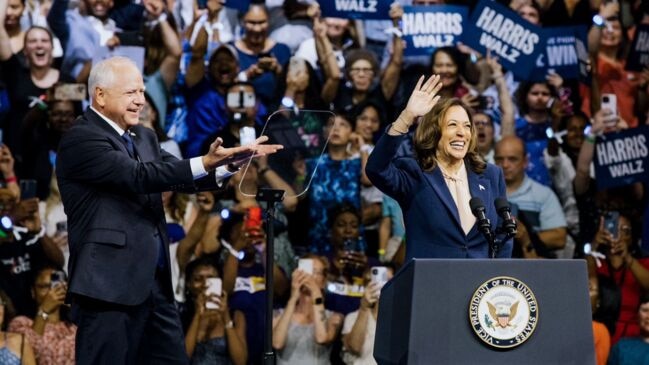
pixel 434 187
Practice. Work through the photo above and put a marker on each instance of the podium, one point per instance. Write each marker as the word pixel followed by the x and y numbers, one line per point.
pixel 430 313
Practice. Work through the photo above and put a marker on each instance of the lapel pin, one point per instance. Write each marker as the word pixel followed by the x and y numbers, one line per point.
pixel 481 187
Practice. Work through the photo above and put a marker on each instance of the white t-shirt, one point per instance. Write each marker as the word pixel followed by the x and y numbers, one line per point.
pixel 367 354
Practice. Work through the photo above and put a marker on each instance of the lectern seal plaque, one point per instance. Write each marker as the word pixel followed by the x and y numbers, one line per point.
pixel 503 312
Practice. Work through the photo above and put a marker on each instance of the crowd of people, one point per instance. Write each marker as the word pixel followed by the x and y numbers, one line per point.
pixel 213 71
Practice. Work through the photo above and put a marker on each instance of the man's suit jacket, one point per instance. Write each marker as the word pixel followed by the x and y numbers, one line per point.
pixel 432 221
pixel 114 208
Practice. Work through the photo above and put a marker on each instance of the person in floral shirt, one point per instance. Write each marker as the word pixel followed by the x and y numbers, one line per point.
pixel 50 333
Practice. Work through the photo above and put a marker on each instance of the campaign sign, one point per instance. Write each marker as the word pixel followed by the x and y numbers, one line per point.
pixel 621 158
pixel 426 28
pixel 565 52
pixel 356 9
pixel 638 57
pixel 241 5
pixel 515 41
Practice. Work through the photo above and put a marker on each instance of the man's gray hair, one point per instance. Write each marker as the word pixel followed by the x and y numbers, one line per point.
pixel 103 73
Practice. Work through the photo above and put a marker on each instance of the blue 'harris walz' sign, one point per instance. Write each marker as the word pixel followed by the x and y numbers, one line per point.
pixel 241 5
pixel 638 57
pixel 621 158
pixel 565 54
pixel 426 28
pixel 515 41
pixel 356 9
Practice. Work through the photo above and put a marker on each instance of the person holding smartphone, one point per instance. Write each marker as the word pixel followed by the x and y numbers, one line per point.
pixel 216 334
pixel 261 59
pixel 50 331
pixel 609 41
pixel 359 328
pixel 617 239
pixel 304 330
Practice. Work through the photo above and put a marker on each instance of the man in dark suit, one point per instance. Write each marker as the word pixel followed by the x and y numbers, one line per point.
pixel 111 173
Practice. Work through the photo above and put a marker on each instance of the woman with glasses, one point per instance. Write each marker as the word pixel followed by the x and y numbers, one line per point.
pixel 361 70
pixel 50 332
pixel 261 59
pixel 617 239
pixel 304 330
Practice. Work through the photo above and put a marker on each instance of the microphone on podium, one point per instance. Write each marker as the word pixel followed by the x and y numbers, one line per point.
pixel 505 212
pixel 484 225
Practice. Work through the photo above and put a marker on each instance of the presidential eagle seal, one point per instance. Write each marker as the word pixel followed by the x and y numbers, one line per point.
pixel 503 312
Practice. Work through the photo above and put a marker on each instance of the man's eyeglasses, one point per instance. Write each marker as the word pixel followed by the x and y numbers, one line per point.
pixel 360 70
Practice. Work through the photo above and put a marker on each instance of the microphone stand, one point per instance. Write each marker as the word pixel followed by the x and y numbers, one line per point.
pixel 494 245
pixel 484 226
pixel 271 197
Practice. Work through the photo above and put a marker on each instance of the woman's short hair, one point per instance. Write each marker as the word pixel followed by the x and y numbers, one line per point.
pixel 370 103
pixel 578 114
pixel 38 27
pixel 360 54
pixel 455 56
pixel 524 89
pixel 339 209
pixel 429 132
pixel 203 261
pixel 344 114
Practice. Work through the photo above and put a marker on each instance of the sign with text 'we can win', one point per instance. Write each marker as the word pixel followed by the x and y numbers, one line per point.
pixel 356 9
pixel 516 42
pixel 426 28
pixel 565 54
pixel 621 158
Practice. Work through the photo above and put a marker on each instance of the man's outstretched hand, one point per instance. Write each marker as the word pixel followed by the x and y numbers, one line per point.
pixel 220 156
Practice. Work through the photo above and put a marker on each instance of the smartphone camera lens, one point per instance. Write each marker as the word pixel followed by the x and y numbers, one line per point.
pixel 605 99
pixel 375 271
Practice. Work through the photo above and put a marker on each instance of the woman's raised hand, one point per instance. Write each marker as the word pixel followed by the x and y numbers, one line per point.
pixel 424 97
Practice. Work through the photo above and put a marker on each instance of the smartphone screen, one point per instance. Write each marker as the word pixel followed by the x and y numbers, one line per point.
pixel 214 287
pixel 247 135
pixel 609 101
pixel 56 278
pixel 610 222
pixel 379 275
pixel 306 265
pixel 61 227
